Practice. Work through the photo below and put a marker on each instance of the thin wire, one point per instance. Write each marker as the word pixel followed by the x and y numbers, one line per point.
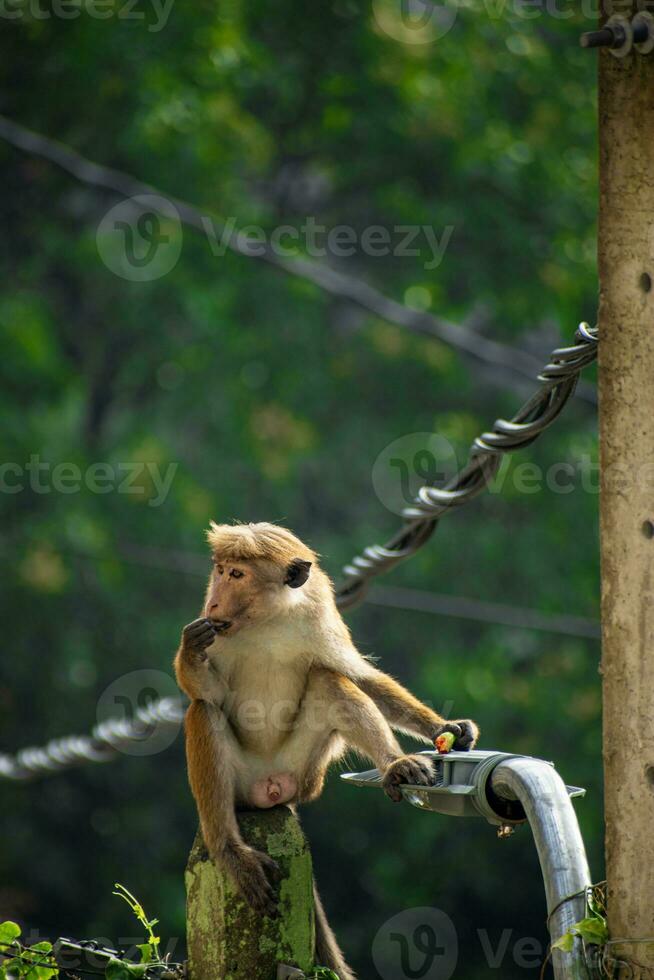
pixel 515 365
pixel 391 597
pixel 613 942
pixel 568 898
pixel 545 962
pixel 477 610
pixel 558 381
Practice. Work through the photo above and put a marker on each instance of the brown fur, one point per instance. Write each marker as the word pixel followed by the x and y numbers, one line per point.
pixel 277 686
pixel 403 712
pixel 247 542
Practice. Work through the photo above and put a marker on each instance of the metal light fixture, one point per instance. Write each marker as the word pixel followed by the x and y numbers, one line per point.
pixel 508 790
pixel 462 787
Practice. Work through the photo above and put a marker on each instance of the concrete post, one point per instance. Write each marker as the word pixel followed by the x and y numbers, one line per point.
pixel 226 939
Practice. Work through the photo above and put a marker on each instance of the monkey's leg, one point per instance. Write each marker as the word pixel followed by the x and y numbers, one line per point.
pixel 407 714
pixel 345 709
pixel 334 703
pixel 213 758
pixel 324 751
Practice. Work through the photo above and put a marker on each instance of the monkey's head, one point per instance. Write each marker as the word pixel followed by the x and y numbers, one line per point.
pixel 259 572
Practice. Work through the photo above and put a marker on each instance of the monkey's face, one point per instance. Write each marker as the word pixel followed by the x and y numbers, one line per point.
pixel 242 593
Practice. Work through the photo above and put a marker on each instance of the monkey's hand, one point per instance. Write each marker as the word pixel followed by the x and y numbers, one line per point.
pixel 465 733
pixel 255 875
pixel 196 637
pixel 417 770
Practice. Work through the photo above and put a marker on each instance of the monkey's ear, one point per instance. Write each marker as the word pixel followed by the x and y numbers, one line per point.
pixel 297 573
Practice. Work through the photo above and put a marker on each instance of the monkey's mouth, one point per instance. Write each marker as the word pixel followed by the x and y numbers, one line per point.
pixel 222 625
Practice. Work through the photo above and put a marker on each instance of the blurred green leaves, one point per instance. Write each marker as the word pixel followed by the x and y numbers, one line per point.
pixel 274 400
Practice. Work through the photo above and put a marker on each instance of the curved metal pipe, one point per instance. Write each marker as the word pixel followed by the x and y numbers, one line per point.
pixel 561 851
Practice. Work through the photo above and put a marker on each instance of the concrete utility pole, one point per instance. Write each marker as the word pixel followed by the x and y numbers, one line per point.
pixel 226 939
pixel 626 389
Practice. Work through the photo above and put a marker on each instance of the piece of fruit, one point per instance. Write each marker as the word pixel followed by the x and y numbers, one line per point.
pixel 445 742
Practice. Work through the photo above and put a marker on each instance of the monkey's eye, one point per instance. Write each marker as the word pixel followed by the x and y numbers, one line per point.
pixel 235 573
pixel 219 568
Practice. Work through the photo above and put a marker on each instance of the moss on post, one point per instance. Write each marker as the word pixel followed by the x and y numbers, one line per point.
pixel 226 939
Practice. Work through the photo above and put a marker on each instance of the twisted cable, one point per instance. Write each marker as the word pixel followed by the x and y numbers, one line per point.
pixel 105 742
pixel 558 381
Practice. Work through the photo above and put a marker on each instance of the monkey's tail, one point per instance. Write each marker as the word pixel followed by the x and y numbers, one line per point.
pixel 328 952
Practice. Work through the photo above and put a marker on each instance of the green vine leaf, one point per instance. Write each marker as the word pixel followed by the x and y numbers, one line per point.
pixel 116 970
pixel 565 943
pixel 123 970
pixel 138 910
pixel 13 967
pixel 9 932
pixel 41 972
pixel 146 952
pixel 592 929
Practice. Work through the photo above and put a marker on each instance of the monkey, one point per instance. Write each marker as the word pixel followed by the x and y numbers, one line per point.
pixel 278 691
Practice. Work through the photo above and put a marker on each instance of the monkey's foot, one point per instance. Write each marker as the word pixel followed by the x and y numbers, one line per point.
pixel 255 875
pixel 415 770
pixel 465 733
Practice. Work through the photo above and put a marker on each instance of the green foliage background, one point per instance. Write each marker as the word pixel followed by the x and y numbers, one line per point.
pixel 274 400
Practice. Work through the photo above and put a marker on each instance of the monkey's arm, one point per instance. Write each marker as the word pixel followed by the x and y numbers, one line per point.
pixel 345 710
pixel 355 717
pixel 405 713
pixel 212 754
pixel 192 666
